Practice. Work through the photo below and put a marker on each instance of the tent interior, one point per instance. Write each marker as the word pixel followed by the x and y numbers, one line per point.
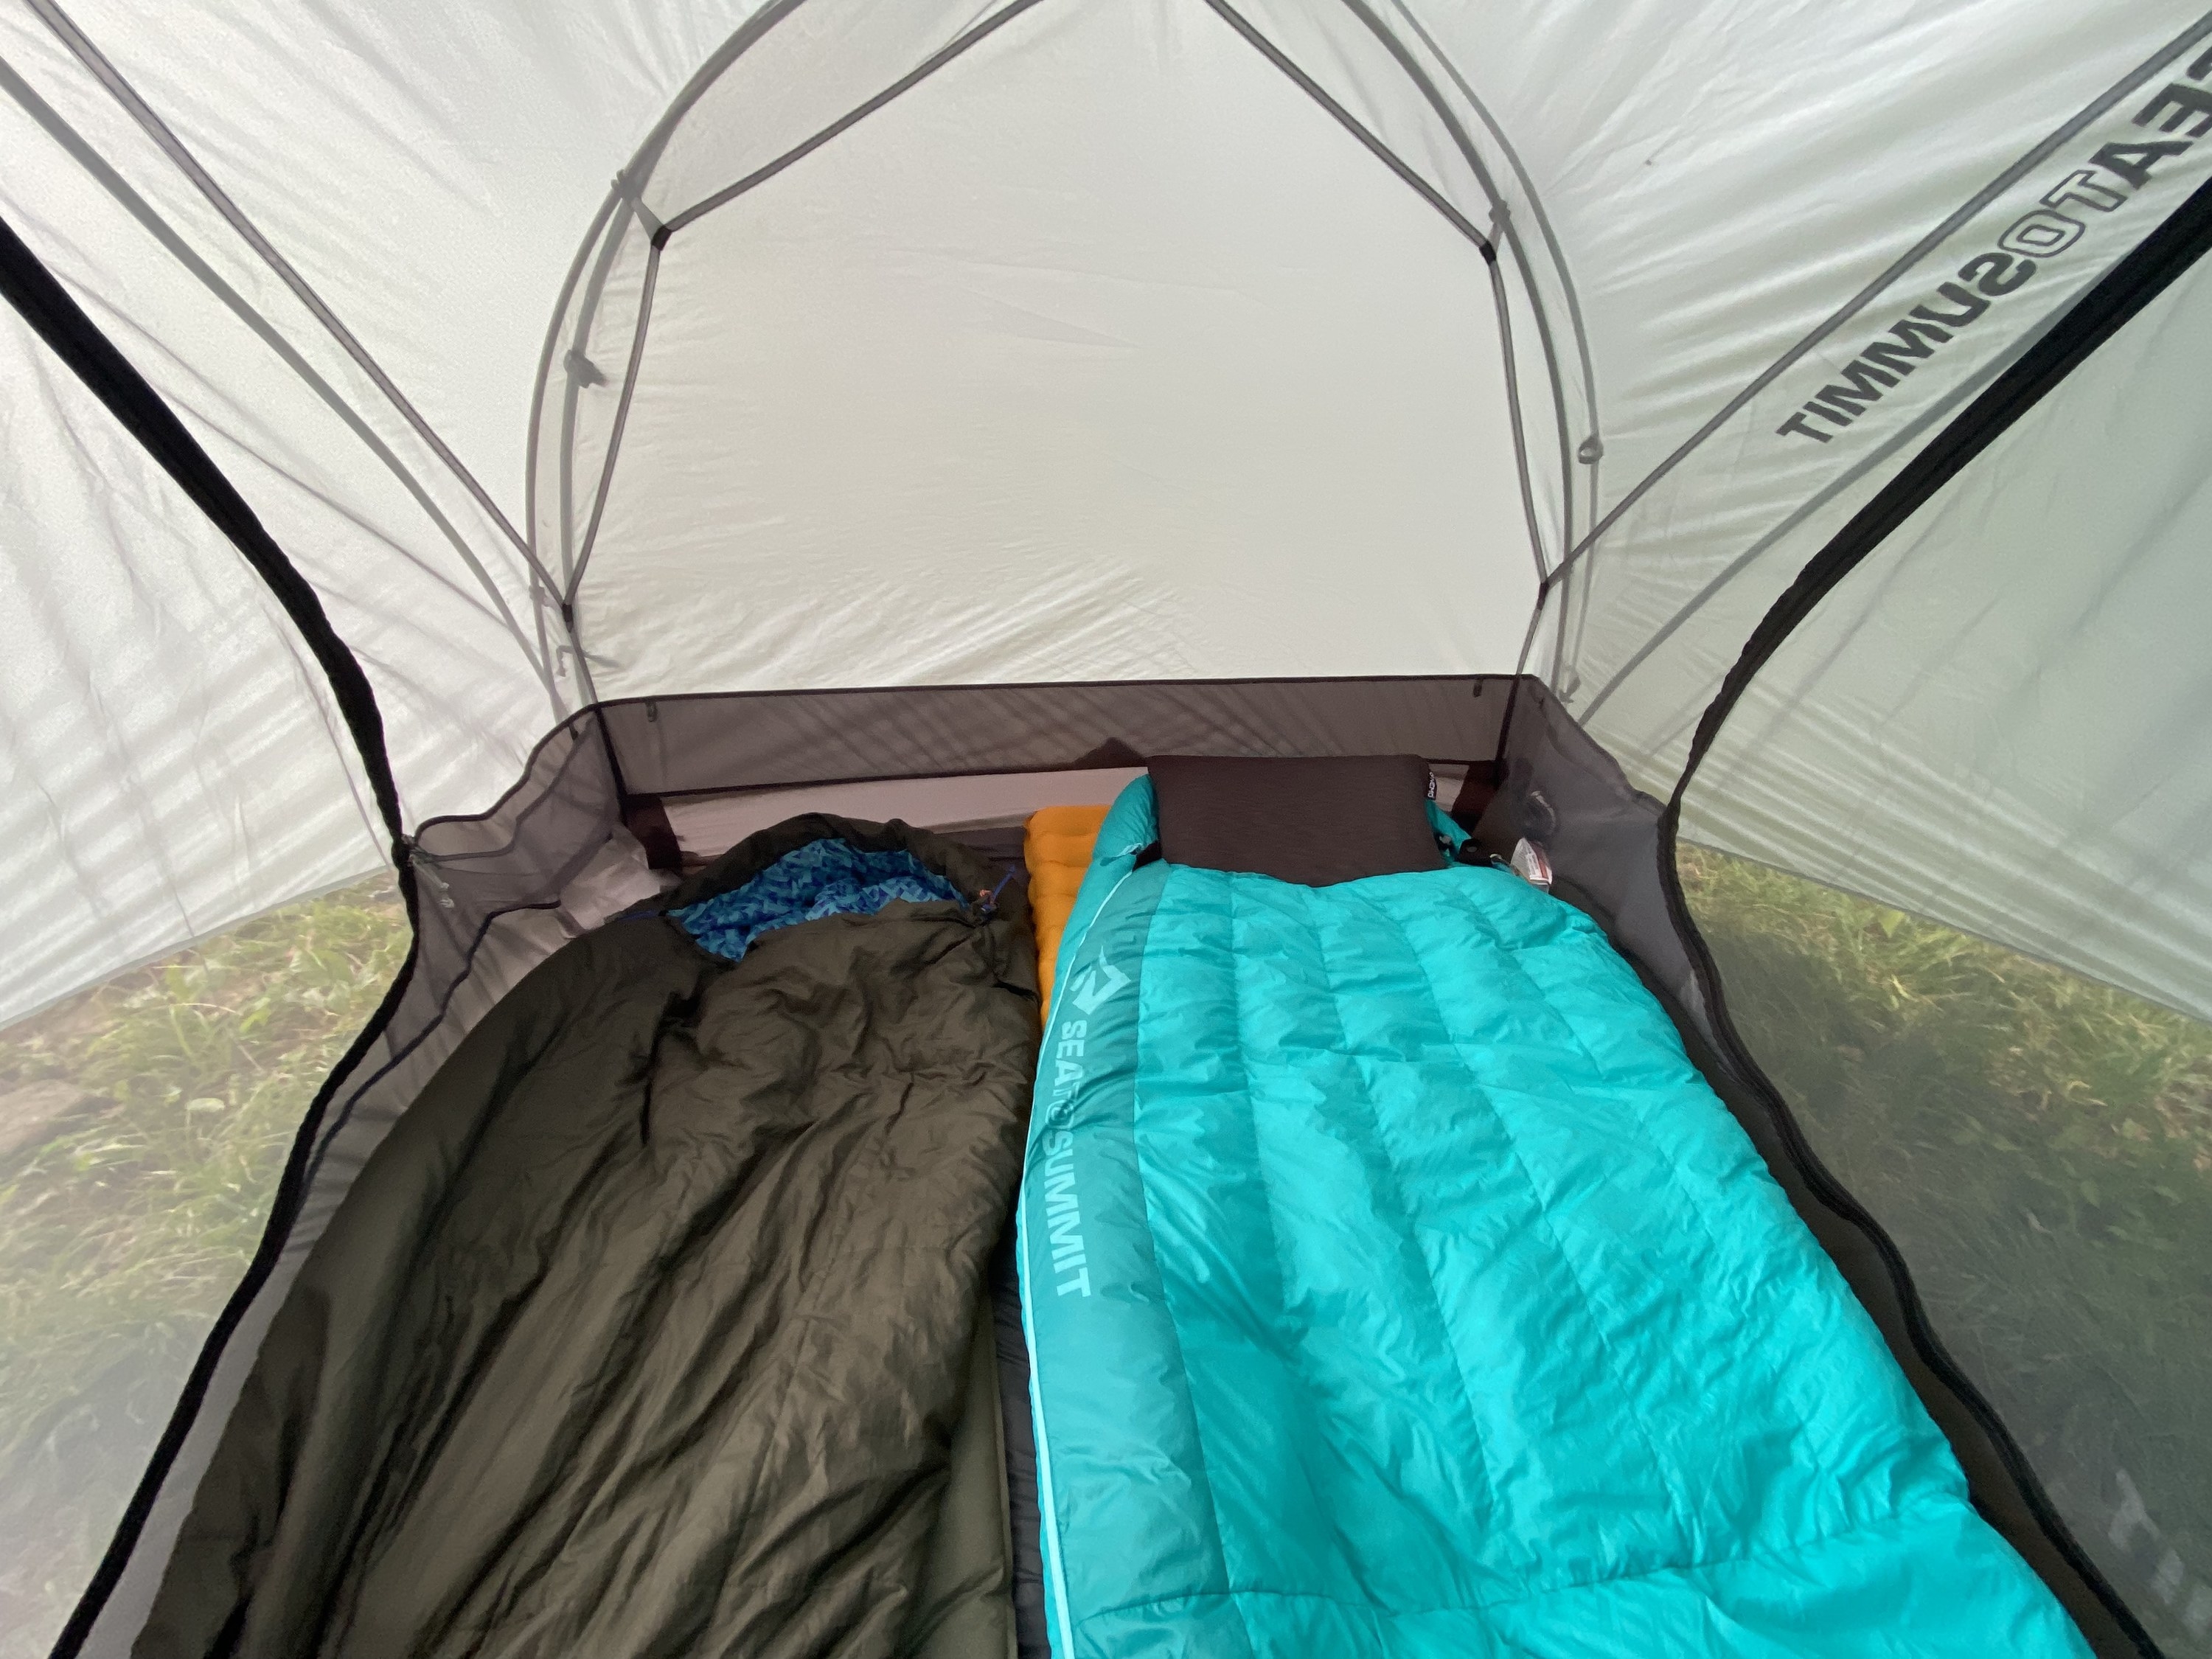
pixel 1751 456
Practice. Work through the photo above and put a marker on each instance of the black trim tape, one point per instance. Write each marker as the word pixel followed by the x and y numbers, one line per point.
pixel 61 323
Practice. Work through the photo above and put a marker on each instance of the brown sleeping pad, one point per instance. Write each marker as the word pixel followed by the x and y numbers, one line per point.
pixel 652 1328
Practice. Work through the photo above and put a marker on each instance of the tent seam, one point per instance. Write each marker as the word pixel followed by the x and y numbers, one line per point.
pixel 627 191
pixel 1351 123
pixel 1502 211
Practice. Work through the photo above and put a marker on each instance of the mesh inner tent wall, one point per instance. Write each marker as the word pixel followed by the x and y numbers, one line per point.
pixel 2036 1139
pixel 155 668
pixel 1683 572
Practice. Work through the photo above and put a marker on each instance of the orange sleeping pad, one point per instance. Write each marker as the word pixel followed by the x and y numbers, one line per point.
pixel 1057 849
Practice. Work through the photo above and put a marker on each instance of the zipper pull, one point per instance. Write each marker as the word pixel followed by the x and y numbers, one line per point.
pixel 426 868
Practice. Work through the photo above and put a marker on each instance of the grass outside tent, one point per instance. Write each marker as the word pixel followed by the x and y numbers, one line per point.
pixel 2040 1146
pixel 125 1227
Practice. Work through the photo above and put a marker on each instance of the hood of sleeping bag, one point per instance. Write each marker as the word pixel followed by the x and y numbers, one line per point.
pixel 826 878
pixel 818 864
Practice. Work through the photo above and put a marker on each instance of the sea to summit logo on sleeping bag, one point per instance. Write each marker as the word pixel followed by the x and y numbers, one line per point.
pixel 1098 984
pixel 1063 1217
pixel 2076 205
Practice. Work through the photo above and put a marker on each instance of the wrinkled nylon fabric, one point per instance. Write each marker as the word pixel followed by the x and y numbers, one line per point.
pixel 1396 1287
pixel 657 1325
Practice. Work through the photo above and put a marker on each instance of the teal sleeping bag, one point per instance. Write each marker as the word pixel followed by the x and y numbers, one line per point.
pixel 1396 1287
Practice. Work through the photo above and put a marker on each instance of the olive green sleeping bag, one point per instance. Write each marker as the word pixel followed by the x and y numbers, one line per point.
pixel 657 1325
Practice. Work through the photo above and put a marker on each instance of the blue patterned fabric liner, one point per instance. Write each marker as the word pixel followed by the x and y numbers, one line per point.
pixel 828 878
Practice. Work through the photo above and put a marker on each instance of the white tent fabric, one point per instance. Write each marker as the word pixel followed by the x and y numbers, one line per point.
pixel 335 239
pixel 166 736
pixel 432 217
pixel 2003 231
pixel 1102 354
pixel 1984 709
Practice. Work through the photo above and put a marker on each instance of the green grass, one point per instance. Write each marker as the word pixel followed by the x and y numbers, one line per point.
pixel 2040 1147
pixel 122 1234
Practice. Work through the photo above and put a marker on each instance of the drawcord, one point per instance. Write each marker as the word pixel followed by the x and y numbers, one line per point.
pixel 989 907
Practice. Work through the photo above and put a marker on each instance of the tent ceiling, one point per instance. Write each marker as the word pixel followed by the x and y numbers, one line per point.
pixel 427 168
pixel 337 240
pixel 1103 353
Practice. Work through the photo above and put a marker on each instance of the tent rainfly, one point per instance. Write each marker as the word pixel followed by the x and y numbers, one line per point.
pixel 483 441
